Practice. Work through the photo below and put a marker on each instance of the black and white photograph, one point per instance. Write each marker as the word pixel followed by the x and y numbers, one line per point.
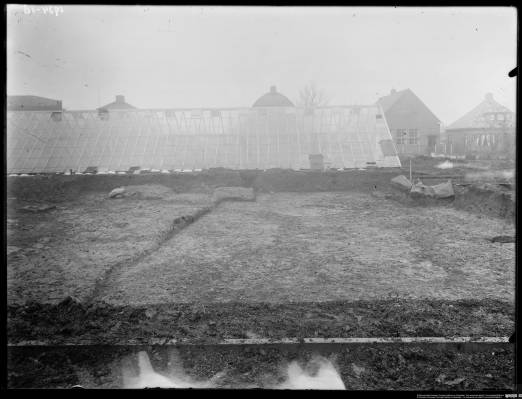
pixel 261 197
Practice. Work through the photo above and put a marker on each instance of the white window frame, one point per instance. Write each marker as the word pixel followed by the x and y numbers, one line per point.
pixel 401 136
pixel 413 136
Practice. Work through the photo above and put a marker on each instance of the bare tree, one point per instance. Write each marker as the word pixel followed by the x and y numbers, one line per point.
pixel 310 97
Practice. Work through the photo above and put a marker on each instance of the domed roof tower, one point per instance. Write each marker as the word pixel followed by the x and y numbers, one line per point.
pixel 273 99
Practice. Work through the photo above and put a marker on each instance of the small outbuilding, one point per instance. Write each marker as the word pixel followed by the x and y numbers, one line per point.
pixel 488 130
pixel 118 104
pixel 32 103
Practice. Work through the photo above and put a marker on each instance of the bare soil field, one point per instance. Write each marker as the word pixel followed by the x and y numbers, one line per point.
pixel 285 247
pixel 67 250
pixel 316 255
pixel 251 269
pixel 314 247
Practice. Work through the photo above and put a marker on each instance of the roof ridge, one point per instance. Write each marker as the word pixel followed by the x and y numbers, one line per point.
pixel 391 99
pixel 471 118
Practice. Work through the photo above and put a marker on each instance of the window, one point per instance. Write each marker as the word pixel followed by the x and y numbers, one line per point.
pixel 413 136
pixel 500 117
pixel 103 114
pixel 400 136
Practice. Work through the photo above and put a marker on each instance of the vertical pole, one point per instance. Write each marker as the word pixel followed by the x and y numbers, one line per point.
pixel 410 170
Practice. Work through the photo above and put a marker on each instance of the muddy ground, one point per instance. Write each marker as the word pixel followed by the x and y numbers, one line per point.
pixel 284 247
pixel 75 323
pixel 313 247
pixel 147 250
pixel 70 249
pixel 165 262
pixel 361 367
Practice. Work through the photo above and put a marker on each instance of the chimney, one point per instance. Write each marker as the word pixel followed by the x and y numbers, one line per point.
pixel 273 89
pixel 120 99
pixel 489 97
pixel 393 91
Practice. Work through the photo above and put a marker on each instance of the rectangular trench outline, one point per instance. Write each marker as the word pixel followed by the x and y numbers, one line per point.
pixel 180 224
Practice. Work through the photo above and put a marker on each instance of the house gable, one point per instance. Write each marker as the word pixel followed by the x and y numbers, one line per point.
pixel 409 112
pixel 479 117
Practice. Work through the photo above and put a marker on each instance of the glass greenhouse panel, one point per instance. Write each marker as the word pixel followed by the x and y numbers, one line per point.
pixel 240 138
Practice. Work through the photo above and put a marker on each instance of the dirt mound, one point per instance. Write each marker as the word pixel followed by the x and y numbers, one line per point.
pixel 59 188
pixel 149 191
pixel 38 188
pixel 507 175
pixel 487 199
pixel 285 180
pixel 494 200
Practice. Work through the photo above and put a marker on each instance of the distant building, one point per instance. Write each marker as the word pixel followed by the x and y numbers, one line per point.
pixel 32 103
pixel 487 130
pixel 118 104
pixel 273 99
pixel 414 128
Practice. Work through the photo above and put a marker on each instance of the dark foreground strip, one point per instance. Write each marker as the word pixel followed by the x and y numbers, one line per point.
pixel 71 322
pixel 417 367
pixel 292 341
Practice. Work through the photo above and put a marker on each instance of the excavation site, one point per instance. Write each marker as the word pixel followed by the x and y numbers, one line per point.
pixel 260 268
pixel 269 197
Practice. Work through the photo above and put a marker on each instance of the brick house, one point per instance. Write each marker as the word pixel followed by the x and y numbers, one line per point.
pixel 414 128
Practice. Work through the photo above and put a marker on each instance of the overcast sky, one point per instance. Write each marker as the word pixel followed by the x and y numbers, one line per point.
pixel 161 57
